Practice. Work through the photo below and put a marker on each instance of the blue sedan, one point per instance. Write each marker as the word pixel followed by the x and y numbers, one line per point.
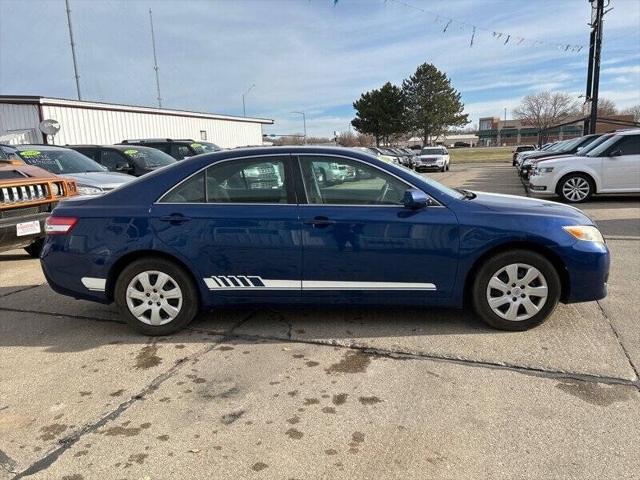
pixel 265 225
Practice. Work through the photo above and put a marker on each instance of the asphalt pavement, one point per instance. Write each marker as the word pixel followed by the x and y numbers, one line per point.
pixel 331 392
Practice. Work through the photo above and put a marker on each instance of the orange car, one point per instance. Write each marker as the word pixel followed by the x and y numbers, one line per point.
pixel 27 196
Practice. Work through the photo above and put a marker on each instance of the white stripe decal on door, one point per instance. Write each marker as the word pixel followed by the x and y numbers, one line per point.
pixel 324 285
pixel 242 282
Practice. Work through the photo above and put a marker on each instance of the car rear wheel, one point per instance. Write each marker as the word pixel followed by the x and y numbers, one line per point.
pixel 516 290
pixel 576 188
pixel 156 296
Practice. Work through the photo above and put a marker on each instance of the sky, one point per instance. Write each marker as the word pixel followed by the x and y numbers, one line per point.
pixel 311 55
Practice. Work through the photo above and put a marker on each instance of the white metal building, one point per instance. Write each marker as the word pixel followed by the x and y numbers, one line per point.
pixel 105 123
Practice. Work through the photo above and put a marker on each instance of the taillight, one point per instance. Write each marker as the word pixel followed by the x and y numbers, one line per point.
pixel 59 225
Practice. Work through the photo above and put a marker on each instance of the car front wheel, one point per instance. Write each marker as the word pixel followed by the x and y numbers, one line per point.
pixel 156 296
pixel 575 188
pixel 516 290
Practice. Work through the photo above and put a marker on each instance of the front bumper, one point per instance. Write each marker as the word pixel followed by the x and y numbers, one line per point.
pixel 587 265
pixel 428 166
pixel 541 185
pixel 9 238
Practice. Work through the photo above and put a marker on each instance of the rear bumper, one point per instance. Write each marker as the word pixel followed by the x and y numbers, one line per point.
pixel 9 238
pixel 77 275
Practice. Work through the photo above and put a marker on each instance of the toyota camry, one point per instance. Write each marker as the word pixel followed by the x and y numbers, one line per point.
pixel 263 225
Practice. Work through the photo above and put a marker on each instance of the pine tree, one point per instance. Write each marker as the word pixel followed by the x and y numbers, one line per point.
pixel 380 113
pixel 433 105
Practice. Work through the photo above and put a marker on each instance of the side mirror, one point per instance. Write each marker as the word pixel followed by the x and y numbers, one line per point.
pixel 615 153
pixel 415 199
pixel 123 167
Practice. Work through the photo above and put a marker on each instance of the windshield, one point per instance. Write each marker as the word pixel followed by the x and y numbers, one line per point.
pixel 437 185
pixel 431 151
pixel 148 157
pixel 586 149
pixel 599 149
pixel 569 144
pixel 205 147
pixel 60 161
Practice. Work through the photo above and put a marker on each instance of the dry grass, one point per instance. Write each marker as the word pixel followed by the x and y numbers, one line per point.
pixel 480 154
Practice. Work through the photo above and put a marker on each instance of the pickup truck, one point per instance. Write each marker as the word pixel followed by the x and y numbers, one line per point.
pixel 28 194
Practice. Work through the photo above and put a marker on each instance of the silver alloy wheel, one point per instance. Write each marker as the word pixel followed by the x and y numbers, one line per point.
pixel 154 298
pixel 517 292
pixel 576 189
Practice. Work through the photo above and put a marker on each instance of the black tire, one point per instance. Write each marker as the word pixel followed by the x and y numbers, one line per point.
pixel 576 178
pixel 501 260
pixel 35 248
pixel 443 168
pixel 190 298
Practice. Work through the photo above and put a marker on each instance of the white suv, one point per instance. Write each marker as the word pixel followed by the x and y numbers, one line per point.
pixel 611 167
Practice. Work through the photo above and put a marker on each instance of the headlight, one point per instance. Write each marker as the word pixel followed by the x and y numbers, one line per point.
pixel 88 190
pixel 542 170
pixel 57 190
pixel 587 233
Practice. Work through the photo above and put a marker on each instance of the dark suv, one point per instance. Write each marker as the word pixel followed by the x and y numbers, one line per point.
pixel 132 159
pixel 178 149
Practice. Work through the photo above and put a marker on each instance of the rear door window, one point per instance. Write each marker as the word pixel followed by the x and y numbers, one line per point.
pixel 256 180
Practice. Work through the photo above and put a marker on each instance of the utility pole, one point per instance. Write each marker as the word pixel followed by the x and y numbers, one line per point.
pixel 73 50
pixel 155 60
pixel 304 124
pixel 244 110
pixel 593 70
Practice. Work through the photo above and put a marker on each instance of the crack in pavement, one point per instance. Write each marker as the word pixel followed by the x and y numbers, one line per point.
pixel 618 338
pixel 30 287
pixel 68 315
pixel 405 355
pixel 67 442
pixel 7 463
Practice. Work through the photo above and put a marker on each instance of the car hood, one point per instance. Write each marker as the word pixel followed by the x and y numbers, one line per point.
pixel 525 205
pixel 104 180
pixel 545 154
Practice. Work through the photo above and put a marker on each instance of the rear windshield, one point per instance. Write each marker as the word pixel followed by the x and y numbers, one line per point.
pixel 149 157
pixel 60 161
pixel 205 147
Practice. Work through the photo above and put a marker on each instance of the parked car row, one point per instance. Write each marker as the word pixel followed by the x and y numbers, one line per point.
pixel 579 168
pixel 428 158
pixel 28 195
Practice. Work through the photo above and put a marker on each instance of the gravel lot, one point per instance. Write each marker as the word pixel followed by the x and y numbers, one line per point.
pixel 338 393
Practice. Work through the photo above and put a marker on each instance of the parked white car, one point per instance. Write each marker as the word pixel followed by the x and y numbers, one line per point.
pixel 611 167
pixel 432 158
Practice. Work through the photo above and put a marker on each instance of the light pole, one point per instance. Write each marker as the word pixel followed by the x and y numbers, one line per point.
pixel 244 110
pixel 304 123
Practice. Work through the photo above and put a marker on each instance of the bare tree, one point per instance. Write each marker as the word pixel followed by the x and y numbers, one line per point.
pixel 606 108
pixel 635 111
pixel 347 139
pixel 365 140
pixel 545 109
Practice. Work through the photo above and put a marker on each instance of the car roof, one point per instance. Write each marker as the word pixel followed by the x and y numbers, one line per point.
pixel 631 131
pixel 43 147
pixel 157 140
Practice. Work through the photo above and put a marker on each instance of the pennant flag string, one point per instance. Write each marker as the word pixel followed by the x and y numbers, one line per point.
pixel 437 18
